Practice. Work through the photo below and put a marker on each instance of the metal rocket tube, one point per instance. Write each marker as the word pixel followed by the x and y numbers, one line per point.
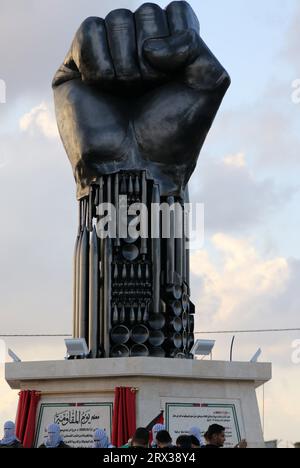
pixel 107 283
pixel 170 269
pixel 90 210
pixel 117 194
pixel 93 294
pixel 144 248
pixel 107 294
pixel 76 272
pixel 156 249
pixel 187 239
pixel 101 287
pixel 180 240
pixel 84 283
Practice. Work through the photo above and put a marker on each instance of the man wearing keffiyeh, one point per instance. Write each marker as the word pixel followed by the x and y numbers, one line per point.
pixel 54 439
pixel 101 439
pixel 10 439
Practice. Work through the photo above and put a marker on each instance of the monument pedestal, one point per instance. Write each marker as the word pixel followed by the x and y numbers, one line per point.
pixel 79 395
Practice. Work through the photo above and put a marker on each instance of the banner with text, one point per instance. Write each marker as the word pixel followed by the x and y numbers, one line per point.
pixel 77 421
pixel 181 415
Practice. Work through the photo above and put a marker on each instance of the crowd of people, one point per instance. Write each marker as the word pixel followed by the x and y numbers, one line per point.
pixel 161 439
pixel 213 438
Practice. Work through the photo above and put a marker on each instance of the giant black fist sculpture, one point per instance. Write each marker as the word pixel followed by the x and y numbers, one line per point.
pixel 135 99
pixel 136 91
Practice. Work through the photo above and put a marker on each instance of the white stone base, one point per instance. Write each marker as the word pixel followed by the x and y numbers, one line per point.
pixel 158 382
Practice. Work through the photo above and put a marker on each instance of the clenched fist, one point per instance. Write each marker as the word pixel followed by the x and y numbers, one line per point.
pixel 138 91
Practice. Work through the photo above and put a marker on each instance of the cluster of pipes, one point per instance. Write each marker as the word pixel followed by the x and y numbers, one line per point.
pixel 131 294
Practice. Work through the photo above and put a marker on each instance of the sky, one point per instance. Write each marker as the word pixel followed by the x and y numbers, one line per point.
pixel 247 274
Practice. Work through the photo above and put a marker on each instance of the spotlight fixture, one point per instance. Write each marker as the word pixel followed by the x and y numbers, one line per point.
pixel 203 347
pixel 76 349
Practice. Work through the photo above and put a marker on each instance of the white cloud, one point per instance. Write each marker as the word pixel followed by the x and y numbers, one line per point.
pixel 238 280
pixel 235 160
pixel 40 213
pixel 40 119
pixel 236 287
pixel 236 198
pixel 290 50
pixel 267 130
pixel 282 412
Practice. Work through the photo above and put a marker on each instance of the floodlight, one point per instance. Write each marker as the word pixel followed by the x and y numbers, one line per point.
pixel 13 356
pixel 256 356
pixel 76 348
pixel 203 347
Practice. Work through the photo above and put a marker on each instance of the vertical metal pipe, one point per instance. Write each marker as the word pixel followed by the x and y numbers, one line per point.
pixel 130 186
pixel 109 192
pixel 76 272
pixel 107 294
pixel 78 295
pixel 137 186
pixel 101 285
pixel 90 210
pixel 156 248
pixel 96 195
pixel 179 241
pixel 184 250
pixel 93 295
pixel 123 185
pixel 171 245
pixel 117 192
pixel 107 276
pixel 77 292
pixel 188 282
pixel 78 299
pixel 187 240
pixel 84 283
pixel 144 248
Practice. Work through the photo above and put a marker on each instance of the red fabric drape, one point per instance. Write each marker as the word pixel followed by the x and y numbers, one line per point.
pixel 124 416
pixel 26 417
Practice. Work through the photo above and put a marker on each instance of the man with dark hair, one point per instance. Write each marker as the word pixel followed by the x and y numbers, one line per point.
pixel 140 438
pixel 184 442
pixel 195 442
pixel 215 436
pixel 164 440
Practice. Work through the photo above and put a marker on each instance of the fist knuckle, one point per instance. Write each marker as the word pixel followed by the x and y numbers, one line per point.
pixel 147 9
pixel 117 16
pixel 177 3
pixel 90 22
pixel 148 6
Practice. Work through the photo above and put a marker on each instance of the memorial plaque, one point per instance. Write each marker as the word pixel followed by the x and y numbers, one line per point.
pixel 77 421
pixel 181 415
